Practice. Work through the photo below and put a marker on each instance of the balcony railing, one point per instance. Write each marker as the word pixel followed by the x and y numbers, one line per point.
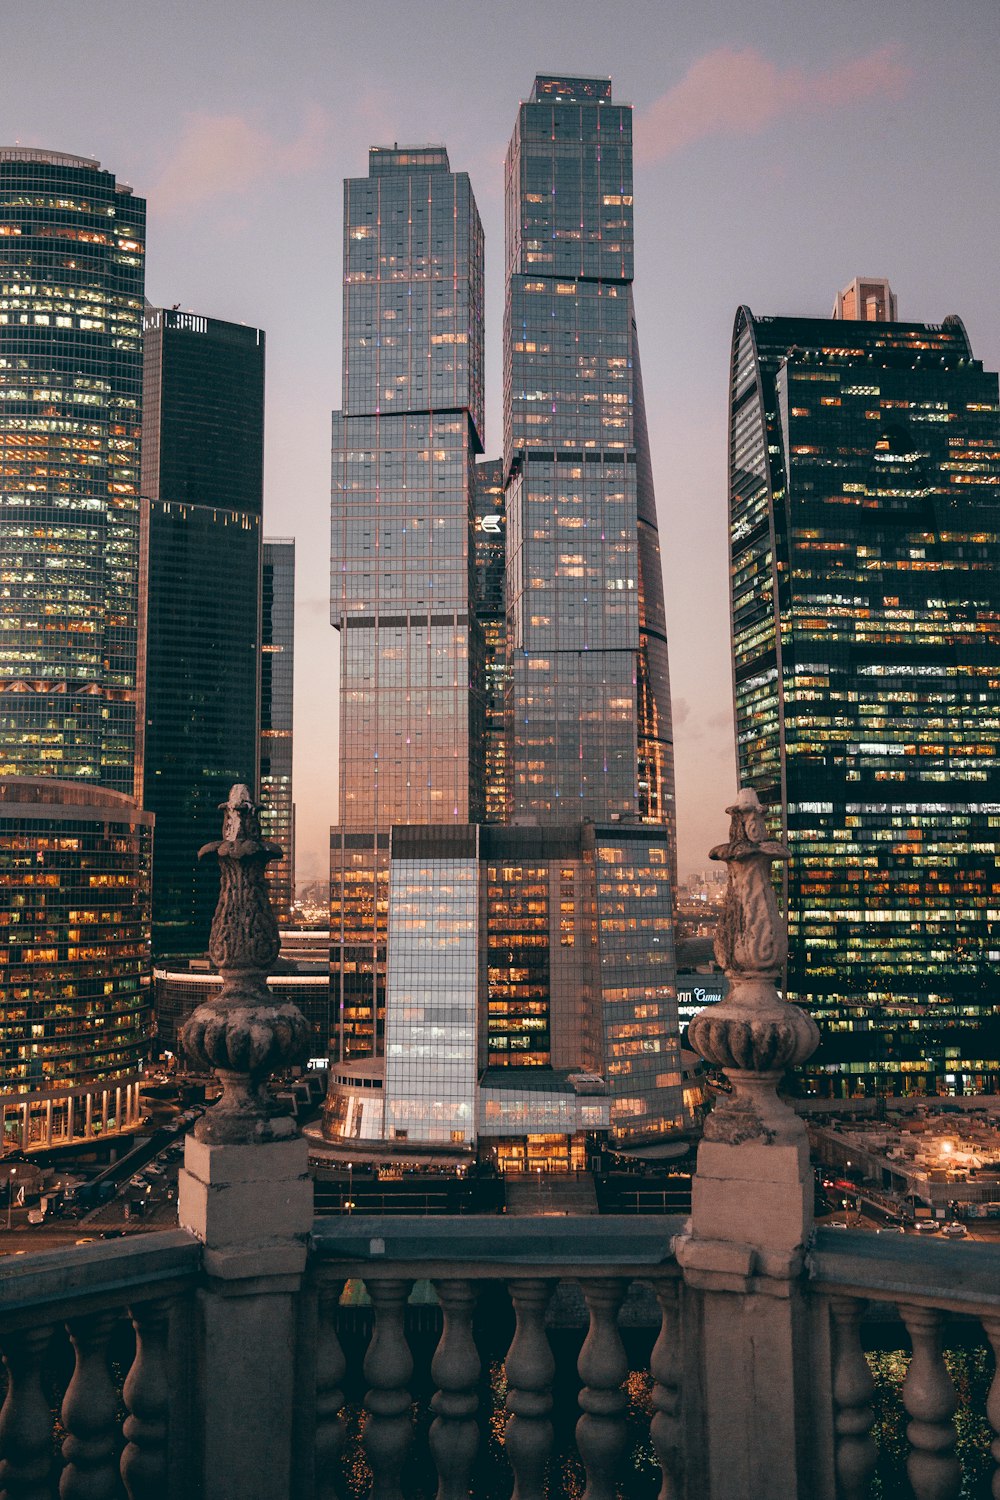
pixel 108 1365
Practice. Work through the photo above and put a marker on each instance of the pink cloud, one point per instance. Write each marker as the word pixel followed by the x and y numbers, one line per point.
pixel 222 155
pixel 740 93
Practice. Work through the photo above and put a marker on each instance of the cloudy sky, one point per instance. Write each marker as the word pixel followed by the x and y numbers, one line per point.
pixel 781 149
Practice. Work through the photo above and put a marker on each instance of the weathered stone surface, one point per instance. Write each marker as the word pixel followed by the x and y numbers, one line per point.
pixel 752 1035
pixel 240 1033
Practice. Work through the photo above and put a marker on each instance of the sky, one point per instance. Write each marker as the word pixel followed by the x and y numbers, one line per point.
pixel 781 150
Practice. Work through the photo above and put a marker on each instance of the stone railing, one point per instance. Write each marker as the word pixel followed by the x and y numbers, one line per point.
pixel 199 1366
pixel 85 1332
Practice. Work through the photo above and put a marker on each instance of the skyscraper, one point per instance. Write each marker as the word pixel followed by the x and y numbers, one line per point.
pixel 71 295
pixel 277 814
pixel 525 973
pixel 404 448
pixel 74 847
pixel 864 463
pixel 589 701
pixel 202 486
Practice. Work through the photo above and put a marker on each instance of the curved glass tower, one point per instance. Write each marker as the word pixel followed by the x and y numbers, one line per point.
pixel 71 303
pixel 74 848
pixel 589 703
pixel 864 463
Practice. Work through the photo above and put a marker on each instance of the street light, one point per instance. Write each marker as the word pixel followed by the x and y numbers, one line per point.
pixel 350 1187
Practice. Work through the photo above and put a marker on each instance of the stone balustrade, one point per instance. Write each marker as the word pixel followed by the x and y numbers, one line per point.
pixel 85 1333
pixel 108 1341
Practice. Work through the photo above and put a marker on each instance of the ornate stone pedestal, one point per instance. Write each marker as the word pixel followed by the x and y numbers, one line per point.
pixel 751 1196
pixel 245 1189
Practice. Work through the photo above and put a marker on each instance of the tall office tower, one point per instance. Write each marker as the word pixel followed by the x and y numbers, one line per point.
pixel 864 463
pixel 202 486
pixel 71 292
pixel 74 849
pixel 868 299
pixel 491 612
pixel 404 448
pixel 589 704
pixel 277 814
pixel 528 970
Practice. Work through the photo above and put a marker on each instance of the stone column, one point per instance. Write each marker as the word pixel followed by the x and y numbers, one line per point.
pixel 751 1200
pixel 245 1189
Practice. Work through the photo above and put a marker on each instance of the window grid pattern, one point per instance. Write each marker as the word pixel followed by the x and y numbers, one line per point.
pixel 589 728
pixel 865 460
pixel 72 245
pixel 74 939
pixel 432 979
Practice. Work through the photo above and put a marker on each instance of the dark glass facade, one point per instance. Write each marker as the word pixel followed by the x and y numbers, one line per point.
pixel 864 465
pixel 588 703
pixel 202 484
pixel 277 671
pixel 75 1011
pixel 404 448
pixel 72 243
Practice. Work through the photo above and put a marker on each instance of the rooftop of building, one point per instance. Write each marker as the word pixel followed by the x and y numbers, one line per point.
pixel 383 160
pixel 39 156
pixel 569 88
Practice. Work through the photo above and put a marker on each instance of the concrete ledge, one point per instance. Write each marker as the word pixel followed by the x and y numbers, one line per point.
pixel 613 1240
pixel 962 1277
pixel 109 1269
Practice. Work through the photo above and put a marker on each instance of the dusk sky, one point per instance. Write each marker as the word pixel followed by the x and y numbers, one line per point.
pixel 781 150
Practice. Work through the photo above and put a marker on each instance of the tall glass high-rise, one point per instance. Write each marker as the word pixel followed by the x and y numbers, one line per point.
pixel 72 253
pixel 589 705
pixel 864 464
pixel 404 448
pixel 202 485
pixel 75 1013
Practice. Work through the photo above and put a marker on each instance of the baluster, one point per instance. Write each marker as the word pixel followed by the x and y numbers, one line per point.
pixel 929 1398
pixel 25 1421
pixel 530 1371
pixel 388 1367
pixel 454 1435
pixel 603 1365
pixel 147 1397
pixel 853 1389
pixel 991 1327
pixel 665 1368
pixel 331 1367
pixel 90 1413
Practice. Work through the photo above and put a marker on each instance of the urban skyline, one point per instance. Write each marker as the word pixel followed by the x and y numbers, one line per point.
pixel 776 114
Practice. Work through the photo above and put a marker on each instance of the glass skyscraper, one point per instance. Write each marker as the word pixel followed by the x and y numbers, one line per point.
pixel 589 702
pixel 404 448
pixel 501 879
pixel 74 848
pixel 277 673
pixel 202 485
pixel 72 250
pixel 864 465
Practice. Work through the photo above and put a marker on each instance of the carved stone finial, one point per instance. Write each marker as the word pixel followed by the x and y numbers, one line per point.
pixel 753 1035
pixel 241 1033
